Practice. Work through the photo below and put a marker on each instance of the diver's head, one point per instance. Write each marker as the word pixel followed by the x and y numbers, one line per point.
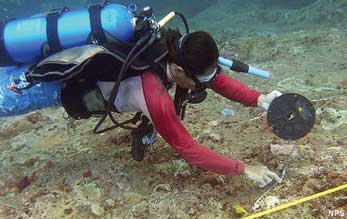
pixel 196 54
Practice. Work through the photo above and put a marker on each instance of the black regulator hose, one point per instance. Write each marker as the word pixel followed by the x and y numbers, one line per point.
pixel 150 38
pixel 184 21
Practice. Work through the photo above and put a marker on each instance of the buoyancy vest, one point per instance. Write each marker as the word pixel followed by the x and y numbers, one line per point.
pixel 81 67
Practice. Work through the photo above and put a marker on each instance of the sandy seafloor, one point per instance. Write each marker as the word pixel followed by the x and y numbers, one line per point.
pixel 48 171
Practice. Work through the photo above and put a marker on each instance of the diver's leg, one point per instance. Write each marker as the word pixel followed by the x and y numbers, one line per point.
pixel 143 136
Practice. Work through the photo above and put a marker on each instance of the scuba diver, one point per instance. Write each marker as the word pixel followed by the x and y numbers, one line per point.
pixel 98 76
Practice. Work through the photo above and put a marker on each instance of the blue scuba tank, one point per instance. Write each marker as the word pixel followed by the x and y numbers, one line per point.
pixel 14 101
pixel 27 40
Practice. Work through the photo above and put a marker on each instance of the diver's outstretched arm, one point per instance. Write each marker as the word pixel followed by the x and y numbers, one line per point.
pixel 234 90
pixel 163 116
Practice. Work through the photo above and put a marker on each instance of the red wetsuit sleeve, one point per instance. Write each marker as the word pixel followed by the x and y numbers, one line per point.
pixel 162 112
pixel 234 90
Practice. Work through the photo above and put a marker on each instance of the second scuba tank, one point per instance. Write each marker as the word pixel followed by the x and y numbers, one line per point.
pixel 31 39
pixel 15 100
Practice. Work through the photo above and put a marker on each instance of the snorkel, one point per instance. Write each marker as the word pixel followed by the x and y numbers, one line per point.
pixel 243 68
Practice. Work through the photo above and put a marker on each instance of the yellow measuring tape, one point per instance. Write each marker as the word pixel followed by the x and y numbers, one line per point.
pixel 296 202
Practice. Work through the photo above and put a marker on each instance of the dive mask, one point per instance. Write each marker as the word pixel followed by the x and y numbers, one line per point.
pixel 206 78
pixel 199 95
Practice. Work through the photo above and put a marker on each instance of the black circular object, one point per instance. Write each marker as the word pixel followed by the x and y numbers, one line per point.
pixel 291 116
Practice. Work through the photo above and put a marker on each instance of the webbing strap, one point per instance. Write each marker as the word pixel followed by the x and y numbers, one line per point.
pixel 95 22
pixel 52 30
pixel 5 58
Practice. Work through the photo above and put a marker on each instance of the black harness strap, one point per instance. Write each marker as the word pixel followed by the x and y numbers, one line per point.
pixel 95 22
pixel 5 58
pixel 52 30
pixel 179 50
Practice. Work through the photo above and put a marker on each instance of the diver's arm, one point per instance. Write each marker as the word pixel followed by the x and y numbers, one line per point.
pixel 235 90
pixel 163 115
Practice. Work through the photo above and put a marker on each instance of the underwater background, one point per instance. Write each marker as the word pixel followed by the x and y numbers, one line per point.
pixel 51 170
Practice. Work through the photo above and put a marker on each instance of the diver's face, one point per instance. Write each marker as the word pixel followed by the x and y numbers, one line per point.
pixel 180 77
